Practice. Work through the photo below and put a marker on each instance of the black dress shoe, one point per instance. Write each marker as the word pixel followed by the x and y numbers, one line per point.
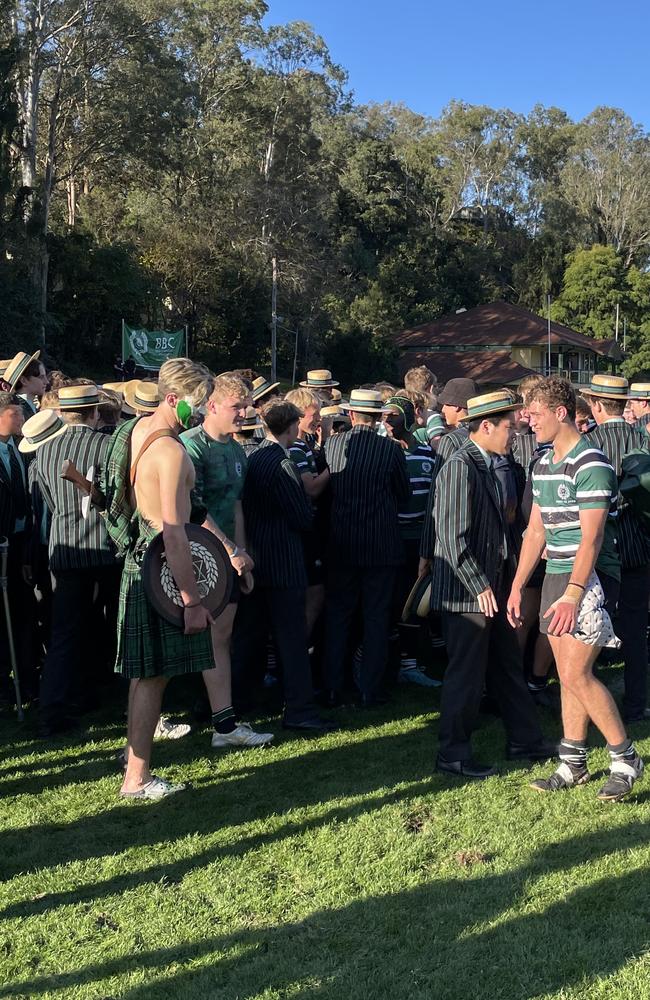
pixel 372 700
pixel 465 768
pixel 45 730
pixel 316 725
pixel 542 750
pixel 637 716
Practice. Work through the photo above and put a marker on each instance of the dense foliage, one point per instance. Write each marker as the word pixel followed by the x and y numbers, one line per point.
pixel 157 155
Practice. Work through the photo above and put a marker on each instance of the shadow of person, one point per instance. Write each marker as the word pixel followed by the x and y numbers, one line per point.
pixel 502 934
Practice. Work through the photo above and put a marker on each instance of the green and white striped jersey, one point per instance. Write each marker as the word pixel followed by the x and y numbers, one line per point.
pixel 583 480
pixel 419 465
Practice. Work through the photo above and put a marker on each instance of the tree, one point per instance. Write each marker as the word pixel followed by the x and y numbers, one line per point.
pixel 594 283
pixel 607 181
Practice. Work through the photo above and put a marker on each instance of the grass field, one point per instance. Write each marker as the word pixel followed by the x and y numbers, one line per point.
pixel 342 868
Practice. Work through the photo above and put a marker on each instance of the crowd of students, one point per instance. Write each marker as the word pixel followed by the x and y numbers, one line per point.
pixel 502 508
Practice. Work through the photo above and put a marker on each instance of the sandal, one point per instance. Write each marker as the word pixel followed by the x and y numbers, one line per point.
pixel 156 788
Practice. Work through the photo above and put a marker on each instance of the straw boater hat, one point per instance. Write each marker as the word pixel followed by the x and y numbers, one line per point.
pixel 78 397
pixel 607 386
pixel 251 421
pixel 114 387
pixel 639 390
pixel 3 367
pixel 262 386
pixel 418 603
pixel 365 401
pixel 489 404
pixel 319 378
pixel 43 426
pixel 331 411
pixel 142 396
pixel 335 395
pixel 17 366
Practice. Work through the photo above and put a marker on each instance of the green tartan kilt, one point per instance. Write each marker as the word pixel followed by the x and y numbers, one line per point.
pixel 149 646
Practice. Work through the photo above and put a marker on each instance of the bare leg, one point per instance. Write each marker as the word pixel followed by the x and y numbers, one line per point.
pixel 145 699
pixel 314 605
pixel 583 696
pixel 218 680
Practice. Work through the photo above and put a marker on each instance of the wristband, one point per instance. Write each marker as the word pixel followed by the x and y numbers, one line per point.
pixel 570 596
pixel 572 583
pixel 235 552
pixel 194 605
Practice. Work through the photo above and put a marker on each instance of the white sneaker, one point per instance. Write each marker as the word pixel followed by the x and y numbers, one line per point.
pixel 416 675
pixel 168 730
pixel 243 736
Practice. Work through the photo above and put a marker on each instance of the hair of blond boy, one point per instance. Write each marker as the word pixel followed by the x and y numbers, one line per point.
pixel 385 389
pixel 420 379
pixel 230 385
pixel 303 399
pixel 420 400
pixel 187 379
pixel 527 385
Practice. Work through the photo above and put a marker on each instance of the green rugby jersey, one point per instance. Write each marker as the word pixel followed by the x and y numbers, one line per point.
pixel 583 480
pixel 419 466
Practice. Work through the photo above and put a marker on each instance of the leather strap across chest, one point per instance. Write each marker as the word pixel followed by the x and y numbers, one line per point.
pixel 164 432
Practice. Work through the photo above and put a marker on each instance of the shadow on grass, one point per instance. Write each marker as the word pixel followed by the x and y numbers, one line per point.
pixel 174 872
pixel 87 765
pixel 418 943
pixel 296 782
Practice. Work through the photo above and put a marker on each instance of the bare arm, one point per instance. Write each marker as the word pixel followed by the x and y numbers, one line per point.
pixel 531 553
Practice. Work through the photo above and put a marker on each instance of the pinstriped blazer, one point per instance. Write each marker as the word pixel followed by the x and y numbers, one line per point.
pixel 469 550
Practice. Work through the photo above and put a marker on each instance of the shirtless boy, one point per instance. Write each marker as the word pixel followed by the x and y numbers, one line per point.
pixel 150 650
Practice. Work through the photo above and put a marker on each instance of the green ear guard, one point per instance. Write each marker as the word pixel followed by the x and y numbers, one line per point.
pixel 183 412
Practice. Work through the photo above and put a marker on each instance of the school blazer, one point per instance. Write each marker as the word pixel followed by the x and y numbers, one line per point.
pixel 469 549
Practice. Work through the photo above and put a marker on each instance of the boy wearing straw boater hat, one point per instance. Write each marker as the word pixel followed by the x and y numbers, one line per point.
pixel 320 380
pixel 81 556
pixel 608 395
pixel 640 403
pixel 471 573
pixel 27 377
pixel 575 492
pixel 369 483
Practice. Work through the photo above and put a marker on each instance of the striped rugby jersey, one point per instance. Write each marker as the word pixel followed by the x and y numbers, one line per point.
pixel 302 457
pixel 419 466
pixel 583 480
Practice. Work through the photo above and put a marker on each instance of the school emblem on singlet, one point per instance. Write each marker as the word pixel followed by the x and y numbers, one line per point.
pixel 563 492
pixel 426 467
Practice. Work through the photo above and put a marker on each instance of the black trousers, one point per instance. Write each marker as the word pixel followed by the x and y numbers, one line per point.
pixel 631 627
pixel 281 609
pixel 371 587
pixel 22 608
pixel 482 650
pixel 77 652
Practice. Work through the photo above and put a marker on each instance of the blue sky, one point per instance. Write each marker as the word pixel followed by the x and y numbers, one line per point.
pixel 574 54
